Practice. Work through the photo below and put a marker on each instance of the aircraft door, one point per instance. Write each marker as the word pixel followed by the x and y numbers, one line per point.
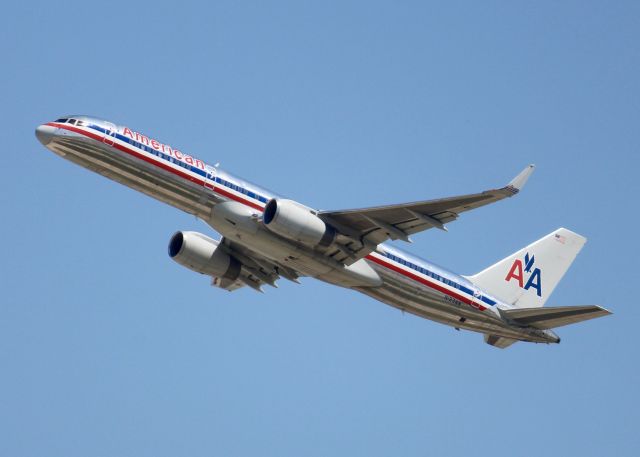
pixel 477 296
pixel 209 177
pixel 109 133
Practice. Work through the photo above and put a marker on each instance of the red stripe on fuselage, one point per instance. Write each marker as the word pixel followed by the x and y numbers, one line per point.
pixel 159 163
pixel 426 282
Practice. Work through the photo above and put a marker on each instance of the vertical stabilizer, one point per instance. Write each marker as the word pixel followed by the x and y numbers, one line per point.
pixel 527 278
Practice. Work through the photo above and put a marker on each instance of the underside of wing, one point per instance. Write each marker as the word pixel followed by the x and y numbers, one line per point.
pixel 367 227
pixel 256 270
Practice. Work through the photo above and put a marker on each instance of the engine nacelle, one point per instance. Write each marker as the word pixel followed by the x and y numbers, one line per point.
pixel 296 222
pixel 200 253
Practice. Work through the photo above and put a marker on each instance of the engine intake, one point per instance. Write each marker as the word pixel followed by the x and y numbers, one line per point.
pixel 202 254
pixel 296 222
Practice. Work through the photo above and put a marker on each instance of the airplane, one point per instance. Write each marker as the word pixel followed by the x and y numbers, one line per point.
pixel 266 237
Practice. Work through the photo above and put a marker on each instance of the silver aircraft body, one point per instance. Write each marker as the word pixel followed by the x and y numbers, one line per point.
pixel 266 237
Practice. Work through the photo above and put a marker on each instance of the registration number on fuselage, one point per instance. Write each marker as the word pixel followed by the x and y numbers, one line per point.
pixel 453 301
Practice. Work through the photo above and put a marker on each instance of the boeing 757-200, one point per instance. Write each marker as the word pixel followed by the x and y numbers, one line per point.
pixel 265 237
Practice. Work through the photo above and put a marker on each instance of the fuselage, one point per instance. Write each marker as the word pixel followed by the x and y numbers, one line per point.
pixel 387 274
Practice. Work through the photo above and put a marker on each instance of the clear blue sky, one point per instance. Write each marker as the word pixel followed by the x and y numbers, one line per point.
pixel 108 348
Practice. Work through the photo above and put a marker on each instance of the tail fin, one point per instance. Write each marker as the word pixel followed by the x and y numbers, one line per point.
pixel 527 278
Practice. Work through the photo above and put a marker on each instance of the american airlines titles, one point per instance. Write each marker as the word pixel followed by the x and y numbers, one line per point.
pixel 164 148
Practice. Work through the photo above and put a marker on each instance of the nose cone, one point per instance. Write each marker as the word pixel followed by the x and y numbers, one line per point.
pixel 44 133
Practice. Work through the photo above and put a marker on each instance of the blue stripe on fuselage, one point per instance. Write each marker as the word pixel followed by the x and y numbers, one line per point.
pixel 435 273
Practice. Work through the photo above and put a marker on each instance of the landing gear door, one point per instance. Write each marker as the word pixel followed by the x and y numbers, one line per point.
pixel 109 133
pixel 209 177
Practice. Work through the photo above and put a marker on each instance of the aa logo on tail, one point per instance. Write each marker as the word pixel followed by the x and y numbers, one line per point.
pixel 518 272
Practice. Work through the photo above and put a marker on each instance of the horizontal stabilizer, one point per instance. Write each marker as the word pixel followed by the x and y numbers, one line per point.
pixel 546 318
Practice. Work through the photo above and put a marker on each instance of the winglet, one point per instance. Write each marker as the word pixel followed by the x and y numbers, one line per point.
pixel 519 181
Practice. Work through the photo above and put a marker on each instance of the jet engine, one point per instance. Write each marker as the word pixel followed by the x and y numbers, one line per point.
pixel 200 253
pixel 296 222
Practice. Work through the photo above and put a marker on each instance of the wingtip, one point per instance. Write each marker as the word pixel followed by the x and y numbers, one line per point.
pixel 605 311
pixel 519 181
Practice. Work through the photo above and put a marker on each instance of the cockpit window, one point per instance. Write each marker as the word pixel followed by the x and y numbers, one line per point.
pixel 72 121
pixel 62 120
pixel 80 123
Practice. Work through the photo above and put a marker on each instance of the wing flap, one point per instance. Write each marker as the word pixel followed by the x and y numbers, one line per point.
pixel 256 270
pixel 498 341
pixel 548 318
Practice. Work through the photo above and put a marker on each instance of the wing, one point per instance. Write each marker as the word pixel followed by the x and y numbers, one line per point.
pixel 255 270
pixel 367 227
